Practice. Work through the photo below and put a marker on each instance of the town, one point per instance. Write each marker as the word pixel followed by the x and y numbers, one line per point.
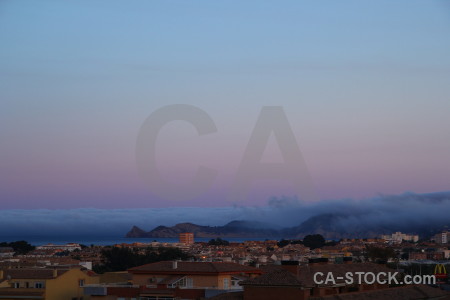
pixel 223 270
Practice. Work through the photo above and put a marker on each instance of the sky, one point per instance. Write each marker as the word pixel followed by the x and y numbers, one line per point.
pixel 365 86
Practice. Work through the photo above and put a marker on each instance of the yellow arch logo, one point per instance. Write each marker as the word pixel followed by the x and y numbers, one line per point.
pixel 440 269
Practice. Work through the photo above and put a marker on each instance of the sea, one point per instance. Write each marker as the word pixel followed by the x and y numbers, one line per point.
pixel 105 240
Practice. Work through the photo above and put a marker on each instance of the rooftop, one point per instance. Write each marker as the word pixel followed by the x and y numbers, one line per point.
pixel 405 292
pixel 193 267
pixel 278 276
pixel 32 273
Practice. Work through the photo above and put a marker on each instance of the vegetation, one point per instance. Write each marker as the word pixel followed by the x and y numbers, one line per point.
pixel 314 241
pixel 121 259
pixel 283 243
pixel 378 254
pixel 218 242
pixel 20 247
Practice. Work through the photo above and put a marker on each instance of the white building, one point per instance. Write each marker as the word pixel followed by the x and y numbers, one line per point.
pixel 398 237
pixel 442 238
pixel 67 247
pixel 6 252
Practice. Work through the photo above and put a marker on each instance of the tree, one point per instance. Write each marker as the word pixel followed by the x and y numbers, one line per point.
pixel 283 243
pixel 218 242
pixel 314 241
pixel 378 254
pixel 20 247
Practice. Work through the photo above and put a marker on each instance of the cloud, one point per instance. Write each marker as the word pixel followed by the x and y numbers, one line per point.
pixel 407 210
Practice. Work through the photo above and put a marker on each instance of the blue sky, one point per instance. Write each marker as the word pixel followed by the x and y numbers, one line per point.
pixel 365 86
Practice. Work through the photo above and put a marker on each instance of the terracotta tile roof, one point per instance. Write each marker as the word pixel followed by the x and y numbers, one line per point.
pixel 194 267
pixel 270 268
pixel 31 273
pixel 306 273
pixel 405 292
pixel 279 277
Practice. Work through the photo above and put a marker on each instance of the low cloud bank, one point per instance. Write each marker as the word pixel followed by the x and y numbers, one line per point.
pixel 388 211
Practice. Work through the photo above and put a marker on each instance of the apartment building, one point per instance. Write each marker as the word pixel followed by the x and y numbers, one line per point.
pixel 168 274
pixel 177 280
pixel 47 284
pixel 292 281
pixel 186 238
pixel 442 237
pixel 399 237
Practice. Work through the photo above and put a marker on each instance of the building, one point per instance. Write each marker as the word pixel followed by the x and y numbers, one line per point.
pixel 417 256
pixel 186 238
pixel 411 292
pixel 67 247
pixel 211 275
pixel 442 237
pixel 399 237
pixel 290 281
pixel 6 252
pixel 48 284
pixel 177 280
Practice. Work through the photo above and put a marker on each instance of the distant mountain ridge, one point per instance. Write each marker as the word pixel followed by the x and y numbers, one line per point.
pixel 330 225
pixel 232 229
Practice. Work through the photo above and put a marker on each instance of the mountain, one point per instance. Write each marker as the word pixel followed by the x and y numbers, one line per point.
pixel 329 225
pixel 136 232
pixel 232 229
pixel 335 226
pixel 340 225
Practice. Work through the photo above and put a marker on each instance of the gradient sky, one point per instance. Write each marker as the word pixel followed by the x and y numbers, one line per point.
pixel 365 85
